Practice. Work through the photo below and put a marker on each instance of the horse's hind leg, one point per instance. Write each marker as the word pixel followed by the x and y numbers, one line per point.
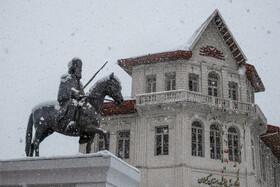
pixel 36 141
pixel 46 134
pixel 31 150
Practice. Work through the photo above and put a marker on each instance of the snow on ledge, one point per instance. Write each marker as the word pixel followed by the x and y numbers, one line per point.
pixel 103 153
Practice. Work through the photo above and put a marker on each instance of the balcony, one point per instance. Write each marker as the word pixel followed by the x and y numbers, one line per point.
pixel 195 97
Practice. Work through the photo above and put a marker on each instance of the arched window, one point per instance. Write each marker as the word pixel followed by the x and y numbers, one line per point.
pixel 215 142
pixel 197 139
pixel 213 81
pixel 233 145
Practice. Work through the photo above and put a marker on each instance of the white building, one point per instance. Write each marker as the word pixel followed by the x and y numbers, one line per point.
pixel 193 120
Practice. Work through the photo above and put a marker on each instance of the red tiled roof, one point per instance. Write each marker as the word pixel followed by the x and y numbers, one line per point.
pixel 128 63
pixel 109 109
pixel 272 139
pixel 254 78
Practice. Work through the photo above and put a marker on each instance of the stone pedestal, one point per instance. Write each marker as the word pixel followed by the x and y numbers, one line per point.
pixel 102 169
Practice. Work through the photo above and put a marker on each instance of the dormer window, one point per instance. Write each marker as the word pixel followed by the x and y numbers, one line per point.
pixel 170 81
pixel 151 83
pixel 213 81
pixel 232 89
pixel 193 82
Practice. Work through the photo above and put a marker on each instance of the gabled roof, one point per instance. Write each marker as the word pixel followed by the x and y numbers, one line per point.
pixel 186 53
pixel 128 63
pixel 272 139
pixel 254 78
pixel 217 19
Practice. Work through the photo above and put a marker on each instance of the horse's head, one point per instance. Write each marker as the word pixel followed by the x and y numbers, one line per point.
pixel 113 89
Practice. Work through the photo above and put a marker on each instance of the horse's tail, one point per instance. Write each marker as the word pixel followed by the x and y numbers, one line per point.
pixel 28 137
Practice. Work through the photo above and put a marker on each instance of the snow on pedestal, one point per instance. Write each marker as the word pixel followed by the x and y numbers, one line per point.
pixel 97 169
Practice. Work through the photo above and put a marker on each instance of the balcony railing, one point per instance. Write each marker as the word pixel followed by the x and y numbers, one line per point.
pixel 185 95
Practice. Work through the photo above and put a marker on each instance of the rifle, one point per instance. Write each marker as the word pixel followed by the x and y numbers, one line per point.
pixel 95 75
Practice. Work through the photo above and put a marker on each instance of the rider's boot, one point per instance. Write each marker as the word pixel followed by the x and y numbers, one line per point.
pixel 72 115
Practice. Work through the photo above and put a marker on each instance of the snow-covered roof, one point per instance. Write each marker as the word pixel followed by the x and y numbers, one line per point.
pixel 217 19
pixel 110 109
pixel 185 51
pixel 272 139
pixel 128 63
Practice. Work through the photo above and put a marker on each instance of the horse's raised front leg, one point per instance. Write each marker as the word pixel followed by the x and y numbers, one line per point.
pixel 89 143
pixel 100 132
pixel 105 136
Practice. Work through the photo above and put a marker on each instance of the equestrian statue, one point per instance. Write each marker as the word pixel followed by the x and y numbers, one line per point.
pixel 75 113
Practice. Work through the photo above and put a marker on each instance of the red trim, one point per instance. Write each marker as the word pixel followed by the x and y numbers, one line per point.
pixel 272 129
pixel 254 78
pixel 272 139
pixel 128 63
pixel 109 109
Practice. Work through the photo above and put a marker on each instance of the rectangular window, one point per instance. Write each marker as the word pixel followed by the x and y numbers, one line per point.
pixel 101 142
pixel 213 85
pixel 170 81
pixel 215 144
pixel 161 140
pixel 193 82
pixel 233 145
pixel 197 149
pixel 232 89
pixel 151 83
pixel 123 141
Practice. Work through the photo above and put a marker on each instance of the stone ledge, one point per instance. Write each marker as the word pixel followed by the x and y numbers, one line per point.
pixel 97 169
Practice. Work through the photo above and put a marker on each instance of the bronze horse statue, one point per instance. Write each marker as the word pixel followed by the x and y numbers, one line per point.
pixel 43 118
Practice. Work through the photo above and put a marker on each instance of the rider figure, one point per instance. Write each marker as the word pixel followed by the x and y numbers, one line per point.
pixel 70 91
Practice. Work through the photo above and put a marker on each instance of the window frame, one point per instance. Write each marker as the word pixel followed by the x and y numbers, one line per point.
pixel 213 77
pixel 151 83
pixel 234 148
pixel 170 81
pixel 124 144
pixel 195 132
pixel 215 145
pixel 233 91
pixel 162 135
pixel 193 82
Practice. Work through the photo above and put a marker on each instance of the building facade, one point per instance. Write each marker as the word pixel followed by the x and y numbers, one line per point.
pixel 192 119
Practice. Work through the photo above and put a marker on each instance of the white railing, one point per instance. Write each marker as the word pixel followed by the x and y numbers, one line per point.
pixel 185 95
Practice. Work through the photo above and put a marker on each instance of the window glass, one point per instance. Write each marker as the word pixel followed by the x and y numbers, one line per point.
pixel 213 84
pixel 215 142
pixel 151 83
pixel 232 89
pixel 170 81
pixel 233 145
pixel 123 144
pixel 161 140
pixel 193 82
pixel 197 139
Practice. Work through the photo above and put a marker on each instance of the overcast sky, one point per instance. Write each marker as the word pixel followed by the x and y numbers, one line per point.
pixel 38 39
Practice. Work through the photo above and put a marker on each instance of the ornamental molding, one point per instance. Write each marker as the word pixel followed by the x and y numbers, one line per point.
pixel 211 51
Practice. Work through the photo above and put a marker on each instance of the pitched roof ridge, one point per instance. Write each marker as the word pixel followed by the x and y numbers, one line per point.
pixel 197 34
